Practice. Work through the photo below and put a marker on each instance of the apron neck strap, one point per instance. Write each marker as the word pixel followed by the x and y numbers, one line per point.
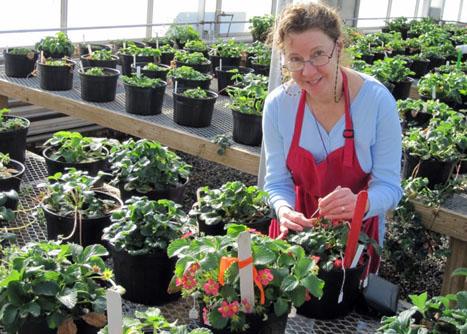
pixel 355 228
pixel 348 132
pixel 299 119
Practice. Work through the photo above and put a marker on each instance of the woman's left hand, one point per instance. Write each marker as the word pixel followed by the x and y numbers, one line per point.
pixel 338 205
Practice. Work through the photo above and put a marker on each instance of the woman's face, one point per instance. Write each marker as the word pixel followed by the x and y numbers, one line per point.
pixel 314 45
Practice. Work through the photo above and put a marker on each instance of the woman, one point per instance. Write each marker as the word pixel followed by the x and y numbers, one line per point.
pixel 329 134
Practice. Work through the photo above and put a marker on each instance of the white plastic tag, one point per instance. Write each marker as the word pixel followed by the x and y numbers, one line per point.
pixel 134 60
pixel 220 64
pixel 157 41
pixel 433 92
pixel 89 49
pixel 114 312
pixel 247 291
pixel 138 71
pixel 176 86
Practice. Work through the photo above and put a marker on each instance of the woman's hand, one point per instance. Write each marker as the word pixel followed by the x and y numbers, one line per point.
pixel 338 205
pixel 293 220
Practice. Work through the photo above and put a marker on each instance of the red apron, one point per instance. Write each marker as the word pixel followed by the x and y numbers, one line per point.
pixel 315 180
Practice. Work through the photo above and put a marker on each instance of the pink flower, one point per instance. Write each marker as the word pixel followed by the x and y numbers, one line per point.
pixel 211 287
pixel 178 282
pixel 224 310
pixel 338 263
pixel 186 235
pixel 234 307
pixel 194 268
pixel 188 282
pixel 265 276
pixel 247 308
pixel 205 316
pixel 315 258
pixel 307 295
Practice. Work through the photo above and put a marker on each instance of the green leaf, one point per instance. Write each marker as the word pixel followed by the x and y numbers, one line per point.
pixel 314 285
pixel 8 314
pixel 216 319
pixel 460 272
pixel 14 276
pixel 32 308
pixel 281 306
pixel 46 288
pixel 298 296
pixel 93 250
pixel 289 283
pixel 69 299
pixel 177 246
pixel 462 299
pixel 262 255
pixel 297 251
pixel 419 300
pixel 16 293
pixel 303 267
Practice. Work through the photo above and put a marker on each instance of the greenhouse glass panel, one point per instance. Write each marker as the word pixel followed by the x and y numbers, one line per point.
pixel 369 10
pixel 91 13
pixel 26 14
pixel 451 10
pixel 403 8
pixel 179 11
pixel 242 11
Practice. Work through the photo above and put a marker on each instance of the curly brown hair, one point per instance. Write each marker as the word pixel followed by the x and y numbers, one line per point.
pixel 298 18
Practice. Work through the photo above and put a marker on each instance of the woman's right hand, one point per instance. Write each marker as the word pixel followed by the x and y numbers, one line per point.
pixel 293 220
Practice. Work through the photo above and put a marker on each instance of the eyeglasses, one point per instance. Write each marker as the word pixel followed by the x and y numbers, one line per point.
pixel 316 61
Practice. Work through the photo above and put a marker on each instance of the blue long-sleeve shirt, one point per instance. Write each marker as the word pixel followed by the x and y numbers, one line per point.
pixel 377 142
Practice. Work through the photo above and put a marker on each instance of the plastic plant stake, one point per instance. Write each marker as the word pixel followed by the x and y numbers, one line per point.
pixel 138 71
pixel 247 291
pixel 220 64
pixel 90 49
pixel 358 254
pixel 433 92
pixel 134 60
pixel 176 85
pixel 157 40
pixel 114 312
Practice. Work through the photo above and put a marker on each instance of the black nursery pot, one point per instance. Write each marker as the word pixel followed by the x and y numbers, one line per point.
pixel 14 181
pixel 247 129
pixel 401 89
pixel 192 112
pixel 19 66
pixel 167 57
pixel 203 68
pixel 144 101
pixel 183 84
pixel 56 78
pixel 83 48
pixel 437 172
pixel 99 88
pixel 127 60
pixel 260 69
pixel 217 229
pixel 54 166
pixel 421 119
pixel 224 77
pixel 152 74
pixel 144 277
pixel 328 307
pixel 91 228
pixel 87 62
pixel 13 141
pixel 368 58
pixel 420 67
pixel 226 61
pixel 39 326
pixel 436 62
pixel 173 193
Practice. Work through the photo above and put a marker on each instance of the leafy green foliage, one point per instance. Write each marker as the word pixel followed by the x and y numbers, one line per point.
pixel 143 226
pixel 73 147
pixel 6 214
pixel 450 86
pixel 285 283
pixel 261 26
pixel 195 93
pixel 262 57
pixel 248 97
pixel 390 70
pixel 182 33
pixel 232 203
pixel 72 193
pixel 101 55
pixel 7 124
pixel 190 58
pixel 230 49
pixel 167 49
pixel 6 170
pixel 60 43
pixel 163 40
pixel 21 51
pixel 133 50
pixel 146 166
pixel 142 81
pixel 155 67
pixel 52 280
pixel 398 24
pixel 186 72
pixel 223 142
pixel 55 62
pixel 433 107
pixel 152 320
pixel 95 71
pixel 326 242
pixel 196 46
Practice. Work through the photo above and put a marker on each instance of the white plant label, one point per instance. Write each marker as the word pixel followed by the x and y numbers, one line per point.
pixel 157 40
pixel 220 64
pixel 176 86
pixel 89 49
pixel 134 60
pixel 247 291
pixel 433 92
pixel 138 71
pixel 114 312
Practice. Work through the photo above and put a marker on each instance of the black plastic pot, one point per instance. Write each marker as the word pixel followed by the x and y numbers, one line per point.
pixel 144 101
pixel 379 55
pixel 99 88
pixel 183 84
pixel 247 129
pixel 166 58
pixel 369 59
pixel 192 112
pixel 13 141
pixel 54 166
pixel 152 74
pixel 421 119
pixel 55 55
pixel 224 77
pixel 420 67
pixel 217 229
pixel 127 60
pixel 401 89
pixel 436 62
pixel 272 325
pixel 174 193
pixel 39 326
pixel 260 69
pixel 91 228
pixel 261 225
pixel 437 172
pixel 144 277
pixel 99 63
pixel 226 61
pixel 83 48
pixel 14 181
pixel 19 66
pixel 203 68
pixel 328 307
pixel 56 77
pixel 12 199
